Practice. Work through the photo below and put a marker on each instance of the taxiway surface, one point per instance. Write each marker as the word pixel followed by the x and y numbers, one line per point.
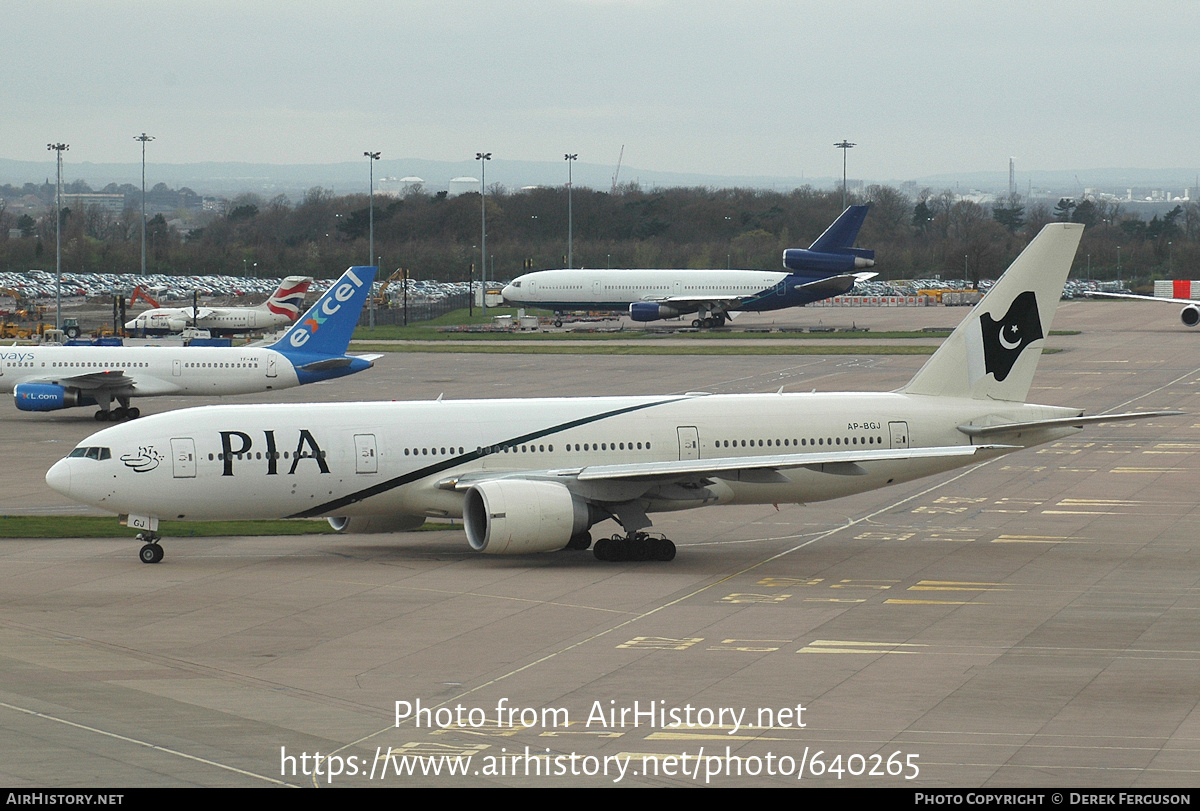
pixel 1028 622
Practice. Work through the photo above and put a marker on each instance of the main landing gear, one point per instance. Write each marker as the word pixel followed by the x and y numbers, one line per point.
pixel 117 414
pixel 151 552
pixel 123 411
pixel 709 321
pixel 634 546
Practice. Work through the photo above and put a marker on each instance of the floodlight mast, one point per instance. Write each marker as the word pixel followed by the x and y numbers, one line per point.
pixel 59 148
pixel 845 146
pixel 483 158
pixel 143 138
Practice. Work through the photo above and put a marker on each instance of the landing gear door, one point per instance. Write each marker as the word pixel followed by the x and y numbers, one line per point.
pixel 183 458
pixel 689 442
pixel 899 432
pixel 365 454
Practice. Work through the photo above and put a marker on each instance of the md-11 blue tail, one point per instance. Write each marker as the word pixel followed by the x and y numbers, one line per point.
pixel 833 251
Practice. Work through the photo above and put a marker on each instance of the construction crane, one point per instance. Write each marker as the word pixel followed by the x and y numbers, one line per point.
pixel 617 173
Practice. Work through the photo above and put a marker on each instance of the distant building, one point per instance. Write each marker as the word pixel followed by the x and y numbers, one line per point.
pixel 105 202
pixel 463 185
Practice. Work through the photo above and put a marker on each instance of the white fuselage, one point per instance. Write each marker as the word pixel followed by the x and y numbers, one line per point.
pixel 392 459
pixel 583 288
pixel 218 320
pixel 151 370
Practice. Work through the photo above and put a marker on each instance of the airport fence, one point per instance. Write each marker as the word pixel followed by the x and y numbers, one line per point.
pixel 416 312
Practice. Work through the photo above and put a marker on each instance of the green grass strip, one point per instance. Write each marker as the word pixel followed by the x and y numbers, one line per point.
pixel 90 526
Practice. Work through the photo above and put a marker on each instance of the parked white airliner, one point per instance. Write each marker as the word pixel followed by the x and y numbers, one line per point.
pixel 48 378
pixel 280 310
pixel 534 475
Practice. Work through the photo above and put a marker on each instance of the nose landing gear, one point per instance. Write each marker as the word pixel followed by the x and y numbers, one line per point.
pixel 151 552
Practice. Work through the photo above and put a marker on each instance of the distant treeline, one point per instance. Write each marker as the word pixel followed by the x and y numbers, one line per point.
pixel 436 236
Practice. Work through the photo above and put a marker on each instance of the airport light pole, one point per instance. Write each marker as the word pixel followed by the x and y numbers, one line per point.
pixel 372 157
pixel 483 158
pixel 143 138
pixel 59 148
pixel 845 146
pixel 570 159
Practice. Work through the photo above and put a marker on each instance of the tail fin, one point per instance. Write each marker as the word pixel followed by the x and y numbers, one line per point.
pixel 993 353
pixel 288 298
pixel 326 328
pixel 842 232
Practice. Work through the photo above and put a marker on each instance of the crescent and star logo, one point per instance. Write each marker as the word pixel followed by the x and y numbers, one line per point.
pixel 1004 340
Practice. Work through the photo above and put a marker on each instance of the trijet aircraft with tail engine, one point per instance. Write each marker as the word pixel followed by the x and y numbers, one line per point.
pixel 829 267
pixel 49 378
pixel 535 475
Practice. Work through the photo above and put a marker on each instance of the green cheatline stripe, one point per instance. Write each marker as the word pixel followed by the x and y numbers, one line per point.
pixel 79 526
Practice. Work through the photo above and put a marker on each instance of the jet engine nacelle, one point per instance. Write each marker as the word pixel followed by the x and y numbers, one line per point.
pixel 852 259
pixel 651 311
pixel 376 523
pixel 48 397
pixel 515 517
pixel 178 324
pixel 1190 315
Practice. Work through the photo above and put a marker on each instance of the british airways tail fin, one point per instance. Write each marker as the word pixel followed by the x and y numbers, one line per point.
pixel 288 298
pixel 325 330
pixel 842 232
pixel 994 352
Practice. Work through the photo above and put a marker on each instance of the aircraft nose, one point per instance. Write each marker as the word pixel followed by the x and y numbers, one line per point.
pixel 58 477
pixel 508 291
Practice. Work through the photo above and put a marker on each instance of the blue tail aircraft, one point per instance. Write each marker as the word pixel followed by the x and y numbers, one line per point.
pixel 829 267
pixel 49 378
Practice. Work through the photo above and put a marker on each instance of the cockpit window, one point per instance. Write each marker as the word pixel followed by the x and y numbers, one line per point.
pixel 516 284
pixel 98 454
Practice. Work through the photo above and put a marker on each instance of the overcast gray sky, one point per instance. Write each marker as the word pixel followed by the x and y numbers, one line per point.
pixel 732 88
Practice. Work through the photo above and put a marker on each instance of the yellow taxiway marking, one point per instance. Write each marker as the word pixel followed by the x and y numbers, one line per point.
pixel 896 601
pixel 1145 470
pixel 952 585
pixel 1044 538
pixel 844 646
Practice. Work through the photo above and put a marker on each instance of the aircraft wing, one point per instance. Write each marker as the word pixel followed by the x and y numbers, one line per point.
pixel 110 381
pixel 1060 422
pixel 687 471
pixel 1092 293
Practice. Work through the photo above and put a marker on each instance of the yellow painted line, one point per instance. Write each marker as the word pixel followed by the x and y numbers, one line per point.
pixel 894 601
pixel 829 600
pixel 1100 501
pixel 1080 512
pixel 1145 470
pixel 1039 538
pixel 840 642
pixel 808 649
pixel 1004 539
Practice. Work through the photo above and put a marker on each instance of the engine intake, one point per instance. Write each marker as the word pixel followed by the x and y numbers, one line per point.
pixel 515 517
pixel 651 311
pixel 48 397
pixel 1190 315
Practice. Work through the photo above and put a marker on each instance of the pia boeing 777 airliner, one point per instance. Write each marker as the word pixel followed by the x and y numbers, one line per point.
pixel 534 475
pixel 49 378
